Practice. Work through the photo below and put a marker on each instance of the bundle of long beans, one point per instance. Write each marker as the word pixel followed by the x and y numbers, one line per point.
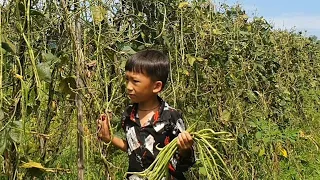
pixel 209 156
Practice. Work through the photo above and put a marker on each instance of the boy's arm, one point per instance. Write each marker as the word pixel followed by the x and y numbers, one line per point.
pixel 120 143
pixel 104 133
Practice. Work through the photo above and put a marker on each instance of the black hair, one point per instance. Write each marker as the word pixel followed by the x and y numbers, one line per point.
pixel 153 63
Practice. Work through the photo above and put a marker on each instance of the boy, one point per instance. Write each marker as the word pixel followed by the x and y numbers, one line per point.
pixel 149 121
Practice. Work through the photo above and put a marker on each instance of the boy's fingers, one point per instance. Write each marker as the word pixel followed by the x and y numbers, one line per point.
pixel 188 136
pixel 103 117
pixel 181 141
pixel 184 137
pixel 99 128
pixel 178 142
pixel 190 140
pixel 187 139
pixel 101 122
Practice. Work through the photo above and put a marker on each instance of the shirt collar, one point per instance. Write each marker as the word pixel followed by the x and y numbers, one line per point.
pixel 159 115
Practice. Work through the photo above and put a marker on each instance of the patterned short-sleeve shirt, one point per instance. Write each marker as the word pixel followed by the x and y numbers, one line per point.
pixel 164 126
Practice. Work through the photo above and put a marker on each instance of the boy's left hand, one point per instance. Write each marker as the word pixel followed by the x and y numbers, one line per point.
pixel 184 142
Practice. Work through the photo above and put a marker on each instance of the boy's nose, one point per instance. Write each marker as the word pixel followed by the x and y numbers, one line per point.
pixel 129 86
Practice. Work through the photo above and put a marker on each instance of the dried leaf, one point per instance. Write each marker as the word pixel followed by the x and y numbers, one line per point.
pixel 37 165
pixel 18 76
pixel 281 151
pixel 98 14
pixel 183 5
pixel 91 64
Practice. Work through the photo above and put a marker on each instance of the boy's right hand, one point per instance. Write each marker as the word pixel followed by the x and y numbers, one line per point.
pixel 103 127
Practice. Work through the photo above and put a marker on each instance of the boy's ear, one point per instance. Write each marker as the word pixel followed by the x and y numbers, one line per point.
pixel 157 87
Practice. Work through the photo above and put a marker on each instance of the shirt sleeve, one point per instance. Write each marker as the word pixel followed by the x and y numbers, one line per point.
pixel 180 164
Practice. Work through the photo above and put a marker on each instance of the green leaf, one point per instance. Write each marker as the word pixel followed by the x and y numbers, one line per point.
pixel 141 47
pixel 255 148
pixel 226 115
pixel 251 96
pixel 3 146
pixel 200 59
pixel 285 91
pixel 202 171
pixel 67 84
pixel 3 143
pixel 17 124
pixel 50 58
pixel 15 134
pixel 186 72
pixel 190 59
pixel 36 13
pixel 244 33
pixel 258 135
pixel 252 124
pixel 313 84
pixel 44 71
pixel 64 60
pixel 1 114
pixel 249 28
pixel 21 7
pixel 123 64
pixel 128 50
pixel 2 51
pixel 166 41
pixel 8 46
pixel 217 32
pixel 262 151
pixel 98 14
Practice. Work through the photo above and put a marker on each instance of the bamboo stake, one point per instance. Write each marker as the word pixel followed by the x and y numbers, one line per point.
pixel 1 61
pixel 76 37
pixel 79 68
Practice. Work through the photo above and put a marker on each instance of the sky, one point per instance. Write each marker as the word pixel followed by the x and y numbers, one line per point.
pixel 299 15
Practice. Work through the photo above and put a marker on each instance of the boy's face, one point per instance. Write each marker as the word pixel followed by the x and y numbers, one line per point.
pixel 141 87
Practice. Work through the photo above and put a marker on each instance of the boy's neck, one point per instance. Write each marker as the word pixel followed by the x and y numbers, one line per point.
pixel 152 103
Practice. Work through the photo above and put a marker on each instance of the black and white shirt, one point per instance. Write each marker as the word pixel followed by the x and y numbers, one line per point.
pixel 142 140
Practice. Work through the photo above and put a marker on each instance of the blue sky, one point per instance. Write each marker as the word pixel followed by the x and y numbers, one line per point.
pixel 297 15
